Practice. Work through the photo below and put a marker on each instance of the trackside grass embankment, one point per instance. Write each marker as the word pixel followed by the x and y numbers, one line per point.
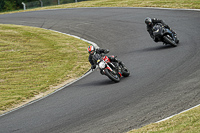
pixel 184 4
pixel 178 4
pixel 34 60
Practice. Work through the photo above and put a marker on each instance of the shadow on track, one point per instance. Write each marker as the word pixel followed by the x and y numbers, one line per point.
pixel 156 48
pixel 101 82
pixel 149 49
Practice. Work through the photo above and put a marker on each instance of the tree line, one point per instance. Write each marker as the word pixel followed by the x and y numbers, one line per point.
pixel 10 5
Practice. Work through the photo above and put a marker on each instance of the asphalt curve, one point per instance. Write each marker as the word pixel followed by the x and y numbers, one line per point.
pixel 163 81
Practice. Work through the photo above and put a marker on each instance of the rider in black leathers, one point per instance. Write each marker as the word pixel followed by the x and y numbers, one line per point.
pixel 92 51
pixel 151 22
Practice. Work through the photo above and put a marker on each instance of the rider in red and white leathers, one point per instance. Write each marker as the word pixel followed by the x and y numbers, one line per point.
pixel 92 51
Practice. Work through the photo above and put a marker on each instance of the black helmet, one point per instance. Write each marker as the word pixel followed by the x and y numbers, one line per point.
pixel 148 21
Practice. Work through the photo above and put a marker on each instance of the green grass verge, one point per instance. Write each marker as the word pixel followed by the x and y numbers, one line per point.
pixel 33 60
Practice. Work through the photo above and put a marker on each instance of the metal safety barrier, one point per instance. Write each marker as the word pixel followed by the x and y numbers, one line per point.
pixel 42 3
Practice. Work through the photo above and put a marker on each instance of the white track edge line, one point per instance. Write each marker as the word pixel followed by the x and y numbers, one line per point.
pixel 177 114
pixel 159 8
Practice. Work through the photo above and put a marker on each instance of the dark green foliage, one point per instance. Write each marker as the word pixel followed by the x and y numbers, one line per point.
pixel 10 5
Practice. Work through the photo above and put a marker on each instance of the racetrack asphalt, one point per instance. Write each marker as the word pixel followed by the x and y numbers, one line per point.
pixel 164 80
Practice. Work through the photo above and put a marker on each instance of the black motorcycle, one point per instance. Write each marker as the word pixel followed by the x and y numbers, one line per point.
pixel 163 34
pixel 112 70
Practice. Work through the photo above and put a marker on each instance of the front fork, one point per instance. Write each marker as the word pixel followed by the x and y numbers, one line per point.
pixel 116 71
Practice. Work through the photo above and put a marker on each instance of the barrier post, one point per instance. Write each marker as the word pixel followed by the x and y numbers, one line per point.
pixel 24 5
pixel 41 3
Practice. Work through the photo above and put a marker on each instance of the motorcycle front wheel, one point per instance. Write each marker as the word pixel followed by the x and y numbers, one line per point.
pixel 169 41
pixel 112 76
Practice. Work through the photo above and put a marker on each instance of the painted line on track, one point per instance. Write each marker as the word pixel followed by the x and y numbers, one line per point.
pixel 177 114
pixel 158 8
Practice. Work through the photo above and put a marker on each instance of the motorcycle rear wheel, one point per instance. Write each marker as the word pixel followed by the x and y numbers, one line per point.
pixel 125 71
pixel 169 41
pixel 113 77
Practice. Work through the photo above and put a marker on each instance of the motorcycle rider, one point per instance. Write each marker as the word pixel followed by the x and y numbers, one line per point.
pixel 92 51
pixel 150 24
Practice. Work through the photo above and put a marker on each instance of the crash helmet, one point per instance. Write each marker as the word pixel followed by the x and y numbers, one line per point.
pixel 91 49
pixel 148 20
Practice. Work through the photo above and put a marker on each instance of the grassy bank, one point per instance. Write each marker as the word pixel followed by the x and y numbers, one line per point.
pixel 35 60
pixel 180 4
pixel 186 4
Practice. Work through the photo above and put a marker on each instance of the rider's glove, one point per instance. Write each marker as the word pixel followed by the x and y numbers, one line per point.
pixel 106 51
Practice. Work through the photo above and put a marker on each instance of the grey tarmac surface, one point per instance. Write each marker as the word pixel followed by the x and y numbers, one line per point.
pixel 163 81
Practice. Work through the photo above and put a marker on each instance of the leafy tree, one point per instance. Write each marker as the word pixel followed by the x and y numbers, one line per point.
pixel 9 5
pixel 2 3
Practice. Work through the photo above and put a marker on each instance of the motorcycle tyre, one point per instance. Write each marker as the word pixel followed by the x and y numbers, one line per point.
pixel 110 76
pixel 169 41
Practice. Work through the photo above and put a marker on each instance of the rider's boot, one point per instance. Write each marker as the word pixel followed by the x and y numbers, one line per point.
pixel 164 44
pixel 119 62
pixel 102 72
